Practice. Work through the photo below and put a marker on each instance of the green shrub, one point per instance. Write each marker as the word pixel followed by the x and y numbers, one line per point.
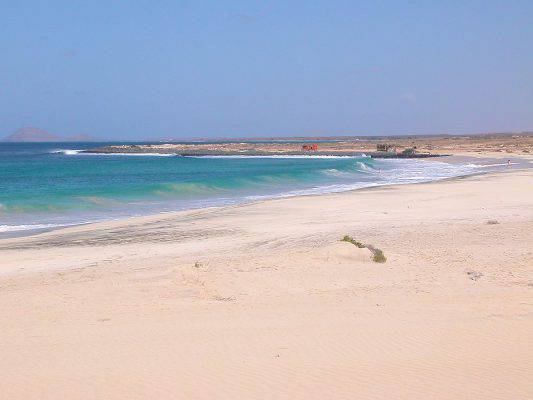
pixel 351 240
pixel 378 256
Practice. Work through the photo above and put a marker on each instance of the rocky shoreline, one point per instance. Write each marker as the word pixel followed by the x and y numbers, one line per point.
pixel 201 151
pixel 378 147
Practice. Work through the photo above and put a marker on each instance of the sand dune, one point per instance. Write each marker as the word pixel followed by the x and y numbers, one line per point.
pixel 263 302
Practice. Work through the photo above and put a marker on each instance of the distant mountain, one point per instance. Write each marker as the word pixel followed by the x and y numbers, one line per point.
pixel 32 134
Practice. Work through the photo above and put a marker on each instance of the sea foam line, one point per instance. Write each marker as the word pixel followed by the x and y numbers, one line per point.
pixel 72 152
pixel 15 228
pixel 68 152
pixel 278 156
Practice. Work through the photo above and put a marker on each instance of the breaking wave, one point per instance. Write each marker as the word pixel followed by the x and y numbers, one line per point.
pixel 67 152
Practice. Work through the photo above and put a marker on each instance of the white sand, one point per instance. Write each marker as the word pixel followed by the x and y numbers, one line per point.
pixel 277 307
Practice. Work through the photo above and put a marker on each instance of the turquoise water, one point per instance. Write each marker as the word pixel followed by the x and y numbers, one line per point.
pixel 47 185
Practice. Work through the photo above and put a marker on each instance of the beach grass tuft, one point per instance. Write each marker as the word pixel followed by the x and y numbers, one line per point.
pixel 351 240
pixel 377 254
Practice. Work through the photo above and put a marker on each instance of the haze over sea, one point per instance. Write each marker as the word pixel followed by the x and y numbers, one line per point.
pixel 49 185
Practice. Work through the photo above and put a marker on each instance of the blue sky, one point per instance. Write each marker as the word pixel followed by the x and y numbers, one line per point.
pixel 171 69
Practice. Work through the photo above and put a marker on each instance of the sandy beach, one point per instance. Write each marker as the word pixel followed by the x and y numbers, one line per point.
pixel 263 301
pixel 269 200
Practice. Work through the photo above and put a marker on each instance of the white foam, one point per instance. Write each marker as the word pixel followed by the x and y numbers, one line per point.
pixel 29 227
pixel 409 171
pixel 131 154
pixel 489 165
pixel 274 156
pixel 68 152
pixel 365 168
pixel 81 152
pixel 335 173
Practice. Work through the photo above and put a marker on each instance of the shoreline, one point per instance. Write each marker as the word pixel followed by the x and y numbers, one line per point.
pixel 452 159
pixel 380 146
pixel 219 303
pixel 164 215
pixel 111 150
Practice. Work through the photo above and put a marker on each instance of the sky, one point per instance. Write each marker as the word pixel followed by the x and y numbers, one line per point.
pixel 200 69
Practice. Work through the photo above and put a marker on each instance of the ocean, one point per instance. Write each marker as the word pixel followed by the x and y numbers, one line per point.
pixel 50 185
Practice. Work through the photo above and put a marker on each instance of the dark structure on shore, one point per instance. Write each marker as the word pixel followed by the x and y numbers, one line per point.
pixel 386 147
pixel 310 147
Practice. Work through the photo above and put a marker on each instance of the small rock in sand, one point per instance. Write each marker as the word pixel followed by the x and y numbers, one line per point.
pixel 474 275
